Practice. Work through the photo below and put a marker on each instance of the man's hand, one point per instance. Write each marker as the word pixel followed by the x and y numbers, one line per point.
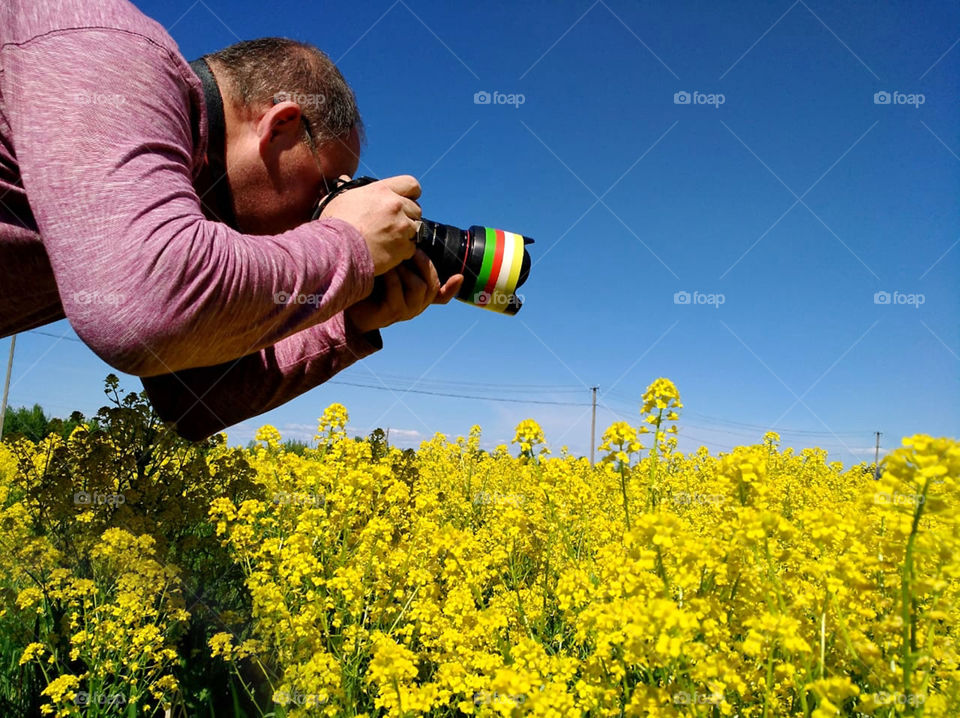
pixel 406 294
pixel 387 216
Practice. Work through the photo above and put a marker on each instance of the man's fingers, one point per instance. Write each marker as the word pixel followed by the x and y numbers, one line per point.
pixel 414 288
pixel 427 277
pixel 411 248
pixel 405 185
pixel 427 272
pixel 393 292
pixel 411 208
pixel 449 290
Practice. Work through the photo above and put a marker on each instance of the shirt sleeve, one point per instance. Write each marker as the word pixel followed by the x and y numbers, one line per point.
pixel 201 402
pixel 105 133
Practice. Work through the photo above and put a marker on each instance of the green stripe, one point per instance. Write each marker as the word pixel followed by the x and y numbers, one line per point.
pixel 489 251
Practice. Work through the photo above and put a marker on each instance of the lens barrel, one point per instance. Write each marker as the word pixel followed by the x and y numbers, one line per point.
pixel 493 262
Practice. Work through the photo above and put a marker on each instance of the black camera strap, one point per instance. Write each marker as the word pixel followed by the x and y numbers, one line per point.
pixel 212 183
pixel 340 187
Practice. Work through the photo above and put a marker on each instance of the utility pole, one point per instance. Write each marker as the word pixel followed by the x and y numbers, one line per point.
pixel 387 440
pixel 6 384
pixel 876 458
pixel 593 423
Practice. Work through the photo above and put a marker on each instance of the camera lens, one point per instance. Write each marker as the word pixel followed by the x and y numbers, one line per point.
pixel 493 262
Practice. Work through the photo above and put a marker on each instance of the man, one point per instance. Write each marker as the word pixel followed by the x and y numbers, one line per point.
pixel 167 215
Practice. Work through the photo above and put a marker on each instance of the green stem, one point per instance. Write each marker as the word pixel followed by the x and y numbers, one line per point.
pixel 623 489
pixel 909 629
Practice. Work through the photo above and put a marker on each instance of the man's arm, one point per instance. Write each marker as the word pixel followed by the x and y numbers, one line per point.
pixel 203 401
pixel 104 139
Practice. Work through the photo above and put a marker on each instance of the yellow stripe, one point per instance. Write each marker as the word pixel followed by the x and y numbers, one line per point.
pixel 515 264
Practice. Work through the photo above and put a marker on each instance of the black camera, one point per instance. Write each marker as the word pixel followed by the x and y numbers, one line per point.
pixel 493 262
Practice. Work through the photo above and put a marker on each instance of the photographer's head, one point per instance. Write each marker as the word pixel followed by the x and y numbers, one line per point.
pixel 292 128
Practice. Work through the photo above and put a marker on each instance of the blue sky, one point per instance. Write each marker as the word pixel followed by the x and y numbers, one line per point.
pixel 793 200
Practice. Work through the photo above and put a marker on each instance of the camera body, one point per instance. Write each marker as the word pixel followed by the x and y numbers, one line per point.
pixel 493 262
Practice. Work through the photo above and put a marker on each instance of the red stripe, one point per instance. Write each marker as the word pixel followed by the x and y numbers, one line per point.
pixel 466 254
pixel 497 261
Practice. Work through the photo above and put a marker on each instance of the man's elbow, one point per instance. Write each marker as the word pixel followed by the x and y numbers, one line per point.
pixel 143 346
pixel 193 433
pixel 181 409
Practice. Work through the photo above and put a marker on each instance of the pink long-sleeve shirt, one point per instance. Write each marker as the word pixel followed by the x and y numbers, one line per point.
pixel 103 131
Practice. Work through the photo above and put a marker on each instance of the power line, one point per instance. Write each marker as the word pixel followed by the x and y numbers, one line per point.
pixel 456 396
pixel 482 384
pixel 727 426
pixel 727 423
pixel 55 336
pixel 812 432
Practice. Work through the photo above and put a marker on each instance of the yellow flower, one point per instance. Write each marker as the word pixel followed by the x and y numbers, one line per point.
pixel 32 651
pixel 62 688
pixel 529 435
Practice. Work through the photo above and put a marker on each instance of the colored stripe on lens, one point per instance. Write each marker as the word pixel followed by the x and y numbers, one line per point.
pixel 510 273
pixel 503 273
pixel 489 250
pixel 516 264
pixel 498 255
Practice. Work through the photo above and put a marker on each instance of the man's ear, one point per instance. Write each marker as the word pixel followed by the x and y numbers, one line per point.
pixel 279 128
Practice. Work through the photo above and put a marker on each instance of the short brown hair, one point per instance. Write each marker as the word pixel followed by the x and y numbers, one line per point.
pixel 270 69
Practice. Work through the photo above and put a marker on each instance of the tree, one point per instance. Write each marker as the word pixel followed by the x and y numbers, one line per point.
pixel 35 425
